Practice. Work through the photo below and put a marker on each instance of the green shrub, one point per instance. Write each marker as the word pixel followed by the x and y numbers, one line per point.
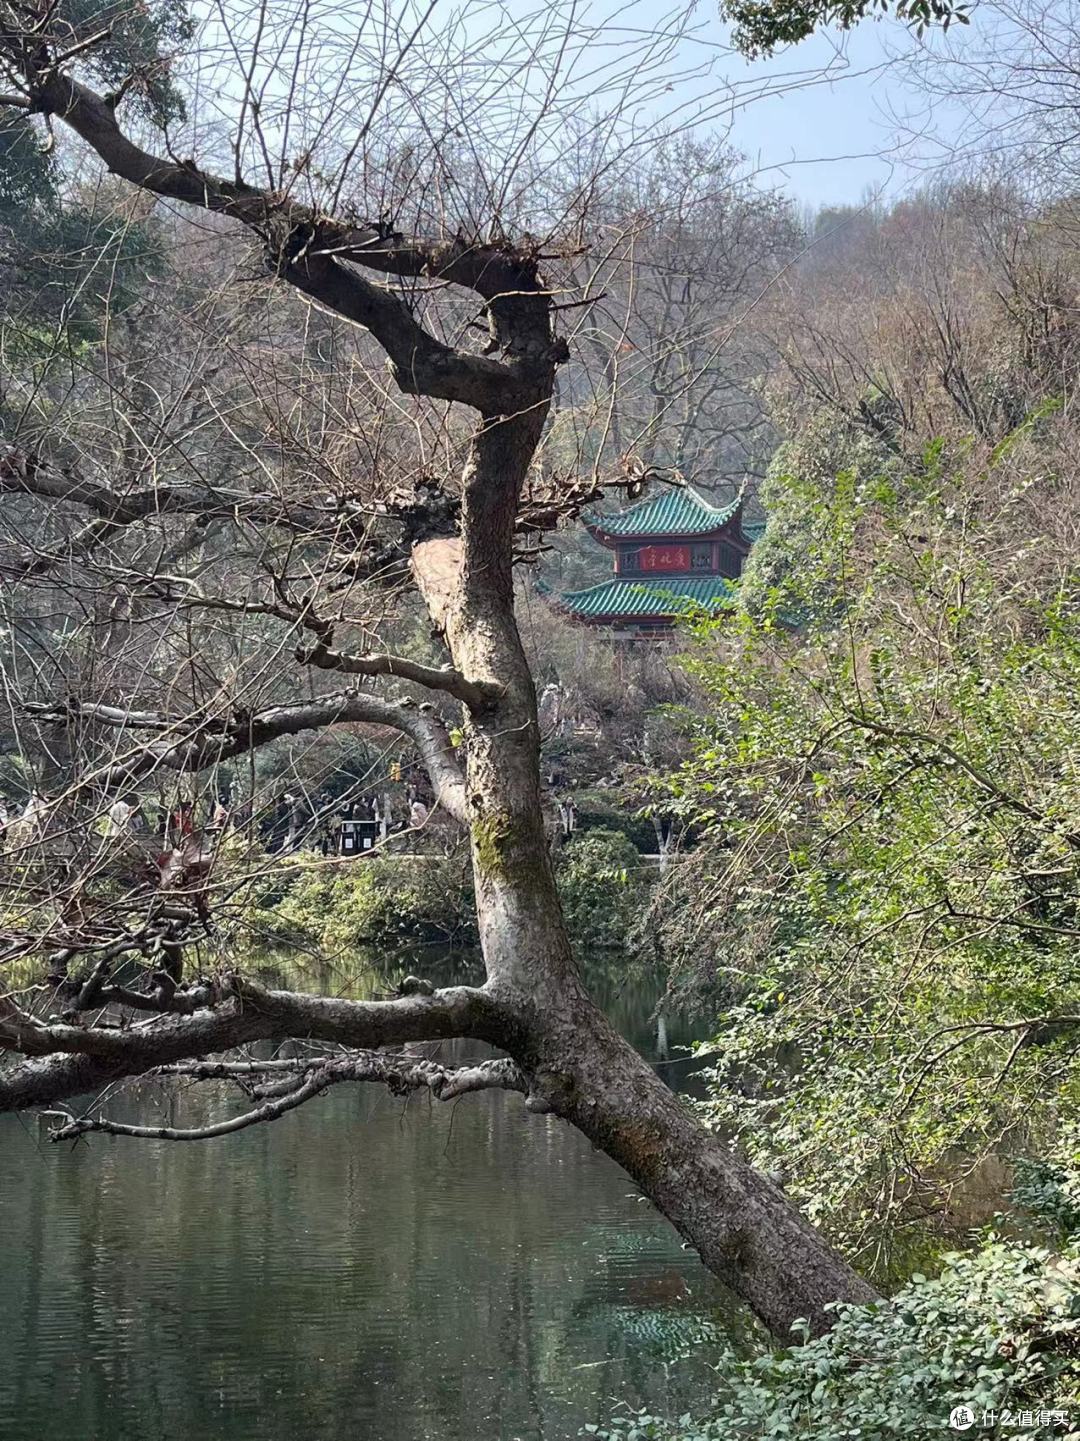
pixel 883 899
pixel 601 886
pixel 1051 1189
pixel 997 1331
pixel 332 907
pixel 599 810
pixel 337 907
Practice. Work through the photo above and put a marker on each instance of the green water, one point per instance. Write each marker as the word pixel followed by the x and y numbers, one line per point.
pixel 364 1268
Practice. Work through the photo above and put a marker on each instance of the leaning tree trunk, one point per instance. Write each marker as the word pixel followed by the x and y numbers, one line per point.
pixel 576 1063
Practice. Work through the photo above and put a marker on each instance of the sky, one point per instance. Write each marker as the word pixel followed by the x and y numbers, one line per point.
pixel 831 118
pixel 821 121
pixel 829 143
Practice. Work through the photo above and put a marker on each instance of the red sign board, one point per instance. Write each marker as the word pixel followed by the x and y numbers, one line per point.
pixel 664 557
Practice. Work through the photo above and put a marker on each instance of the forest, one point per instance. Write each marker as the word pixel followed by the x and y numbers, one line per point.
pixel 430 1011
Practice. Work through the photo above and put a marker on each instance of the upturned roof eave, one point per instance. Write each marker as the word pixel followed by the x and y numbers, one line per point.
pixel 711 593
pixel 726 517
pixel 611 540
pixel 659 620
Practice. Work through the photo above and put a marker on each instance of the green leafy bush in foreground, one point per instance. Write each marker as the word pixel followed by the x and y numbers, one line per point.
pixel 885 893
pixel 998 1331
pixel 1051 1189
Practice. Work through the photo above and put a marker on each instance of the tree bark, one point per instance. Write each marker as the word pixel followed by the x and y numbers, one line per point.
pixel 534 1005
pixel 741 1224
pixel 576 1063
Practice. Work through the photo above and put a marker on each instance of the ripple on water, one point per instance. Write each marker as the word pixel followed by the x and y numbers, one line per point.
pixel 359 1269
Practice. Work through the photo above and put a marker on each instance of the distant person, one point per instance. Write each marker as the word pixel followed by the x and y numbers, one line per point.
pixel 181 825
pixel 568 818
pixel 288 814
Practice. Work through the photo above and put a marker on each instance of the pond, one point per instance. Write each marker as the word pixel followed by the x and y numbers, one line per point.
pixel 364 1267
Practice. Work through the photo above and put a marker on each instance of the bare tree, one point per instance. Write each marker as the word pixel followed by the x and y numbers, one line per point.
pixel 1008 89
pixel 463 306
pixel 944 316
pixel 671 360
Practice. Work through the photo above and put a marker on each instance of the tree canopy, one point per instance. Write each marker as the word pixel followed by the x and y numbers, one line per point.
pixel 763 26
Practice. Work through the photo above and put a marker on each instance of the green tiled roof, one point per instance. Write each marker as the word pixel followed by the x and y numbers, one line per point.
pixel 753 529
pixel 674 512
pixel 622 596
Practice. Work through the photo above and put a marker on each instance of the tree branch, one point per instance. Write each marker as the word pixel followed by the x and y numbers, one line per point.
pixel 207 743
pixel 470 693
pixel 401 1074
pixel 307 250
pixel 82 1059
pixel 24 472
pixel 1010 802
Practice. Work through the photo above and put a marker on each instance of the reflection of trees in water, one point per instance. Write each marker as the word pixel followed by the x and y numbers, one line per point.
pixel 370 971
pixel 398 1270
pixel 628 989
pixel 402 1270
pixel 649 1322
pixel 667 1331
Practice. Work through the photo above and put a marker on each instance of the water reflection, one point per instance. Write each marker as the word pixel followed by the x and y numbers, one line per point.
pixel 630 994
pixel 362 1268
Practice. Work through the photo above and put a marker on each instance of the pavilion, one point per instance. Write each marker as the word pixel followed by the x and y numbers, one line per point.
pixel 672 553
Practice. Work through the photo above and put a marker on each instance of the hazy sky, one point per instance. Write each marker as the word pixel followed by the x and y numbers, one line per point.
pixel 827 141
pixel 823 121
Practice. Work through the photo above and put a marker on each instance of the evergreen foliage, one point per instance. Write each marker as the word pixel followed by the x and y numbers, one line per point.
pixel 888 892
pixel 67 253
pixel 763 26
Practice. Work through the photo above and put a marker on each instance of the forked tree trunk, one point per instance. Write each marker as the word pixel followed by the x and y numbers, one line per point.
pixel 575 1063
